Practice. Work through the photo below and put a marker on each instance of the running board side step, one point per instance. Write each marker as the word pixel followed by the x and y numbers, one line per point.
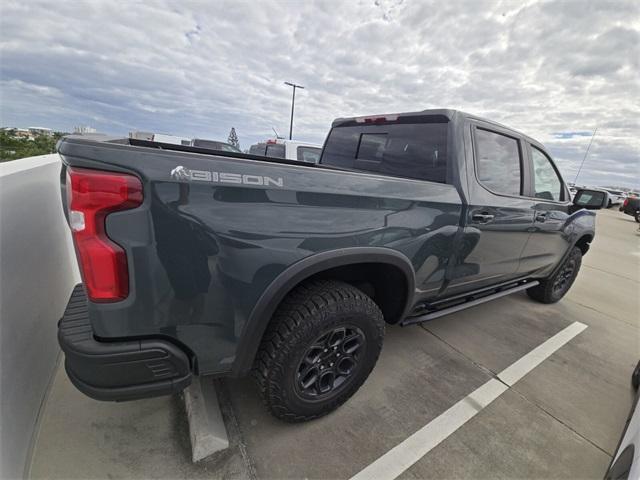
pixel 471 303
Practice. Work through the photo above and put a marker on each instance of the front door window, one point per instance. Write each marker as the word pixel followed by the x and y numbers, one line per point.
pixel 547 184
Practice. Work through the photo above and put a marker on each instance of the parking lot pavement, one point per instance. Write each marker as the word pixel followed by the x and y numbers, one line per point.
pixel 417 377
pixel 81 438
pixel 511 438
pixel 561 420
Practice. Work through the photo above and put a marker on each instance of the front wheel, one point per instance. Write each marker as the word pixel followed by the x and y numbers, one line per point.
pixel 320 347
pixel 557 285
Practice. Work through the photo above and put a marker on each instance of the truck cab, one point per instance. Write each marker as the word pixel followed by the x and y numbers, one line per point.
pixel 514 202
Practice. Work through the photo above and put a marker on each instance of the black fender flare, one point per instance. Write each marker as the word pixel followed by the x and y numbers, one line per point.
pixel 266 305
pixel 574 242
pixel 580 235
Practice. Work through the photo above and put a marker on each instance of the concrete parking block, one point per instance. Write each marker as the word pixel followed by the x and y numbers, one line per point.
pixel 207 431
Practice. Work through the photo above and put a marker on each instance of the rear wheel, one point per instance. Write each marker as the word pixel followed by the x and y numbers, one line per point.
pixel 637 217
pixel 557 285
pixel 320 347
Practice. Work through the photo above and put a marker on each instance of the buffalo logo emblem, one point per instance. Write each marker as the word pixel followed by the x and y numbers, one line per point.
pixel 181 173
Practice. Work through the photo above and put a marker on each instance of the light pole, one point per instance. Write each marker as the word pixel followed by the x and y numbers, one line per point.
pixel 293 101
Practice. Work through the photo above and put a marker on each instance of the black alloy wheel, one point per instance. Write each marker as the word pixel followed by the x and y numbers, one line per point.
pixel 564 277
pixel 330 362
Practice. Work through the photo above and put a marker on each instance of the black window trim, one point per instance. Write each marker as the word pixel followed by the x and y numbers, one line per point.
pixel 525 177
pixel 566 197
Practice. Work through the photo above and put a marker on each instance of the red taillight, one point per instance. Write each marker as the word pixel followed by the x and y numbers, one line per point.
pixel 625 203
pixel 91 196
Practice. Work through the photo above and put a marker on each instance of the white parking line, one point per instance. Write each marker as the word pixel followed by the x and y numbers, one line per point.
pixel 404 455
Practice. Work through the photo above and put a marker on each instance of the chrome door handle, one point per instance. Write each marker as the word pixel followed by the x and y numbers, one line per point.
pixel 541 217
pixel 482 217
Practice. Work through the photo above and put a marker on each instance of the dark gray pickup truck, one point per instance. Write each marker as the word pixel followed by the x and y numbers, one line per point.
pixel 200 262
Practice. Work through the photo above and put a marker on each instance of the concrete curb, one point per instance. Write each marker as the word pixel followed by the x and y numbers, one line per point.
pixel 206 427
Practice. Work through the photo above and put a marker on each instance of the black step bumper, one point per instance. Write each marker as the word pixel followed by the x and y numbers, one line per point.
pixel 122 370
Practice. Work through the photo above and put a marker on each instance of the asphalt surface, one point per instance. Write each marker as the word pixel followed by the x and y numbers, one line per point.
pixel 561 420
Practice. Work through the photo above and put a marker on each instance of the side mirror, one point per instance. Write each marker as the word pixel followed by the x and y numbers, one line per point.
pixel 591 199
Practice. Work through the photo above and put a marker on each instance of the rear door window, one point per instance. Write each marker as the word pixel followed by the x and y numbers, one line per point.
pixel 498 162
pixel 411 150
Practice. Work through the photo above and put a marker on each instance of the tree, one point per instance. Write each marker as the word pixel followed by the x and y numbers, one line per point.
pixel 233 138
pixel 12 148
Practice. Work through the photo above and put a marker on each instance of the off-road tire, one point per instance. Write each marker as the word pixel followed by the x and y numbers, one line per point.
pixel 298 323
pixel 557 285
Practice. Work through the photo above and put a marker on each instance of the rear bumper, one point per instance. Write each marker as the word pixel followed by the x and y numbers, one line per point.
pixel 122 370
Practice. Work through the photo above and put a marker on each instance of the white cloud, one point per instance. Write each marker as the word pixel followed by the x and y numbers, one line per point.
pixel 197 69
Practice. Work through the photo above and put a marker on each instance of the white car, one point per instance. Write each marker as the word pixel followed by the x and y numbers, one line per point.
pixel 616 197
pixel 573 191
pixel 288 149
pixel 172 139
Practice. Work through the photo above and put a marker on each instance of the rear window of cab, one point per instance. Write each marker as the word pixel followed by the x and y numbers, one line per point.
pixel 411 150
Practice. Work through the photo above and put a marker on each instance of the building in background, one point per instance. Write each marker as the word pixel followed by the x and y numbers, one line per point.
pixel 17 132
pixel 40 131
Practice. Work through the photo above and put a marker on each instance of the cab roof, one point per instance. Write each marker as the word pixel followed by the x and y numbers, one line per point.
pixel 449 113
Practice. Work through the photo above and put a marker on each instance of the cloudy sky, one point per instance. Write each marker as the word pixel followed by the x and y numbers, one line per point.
pixel 555 70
